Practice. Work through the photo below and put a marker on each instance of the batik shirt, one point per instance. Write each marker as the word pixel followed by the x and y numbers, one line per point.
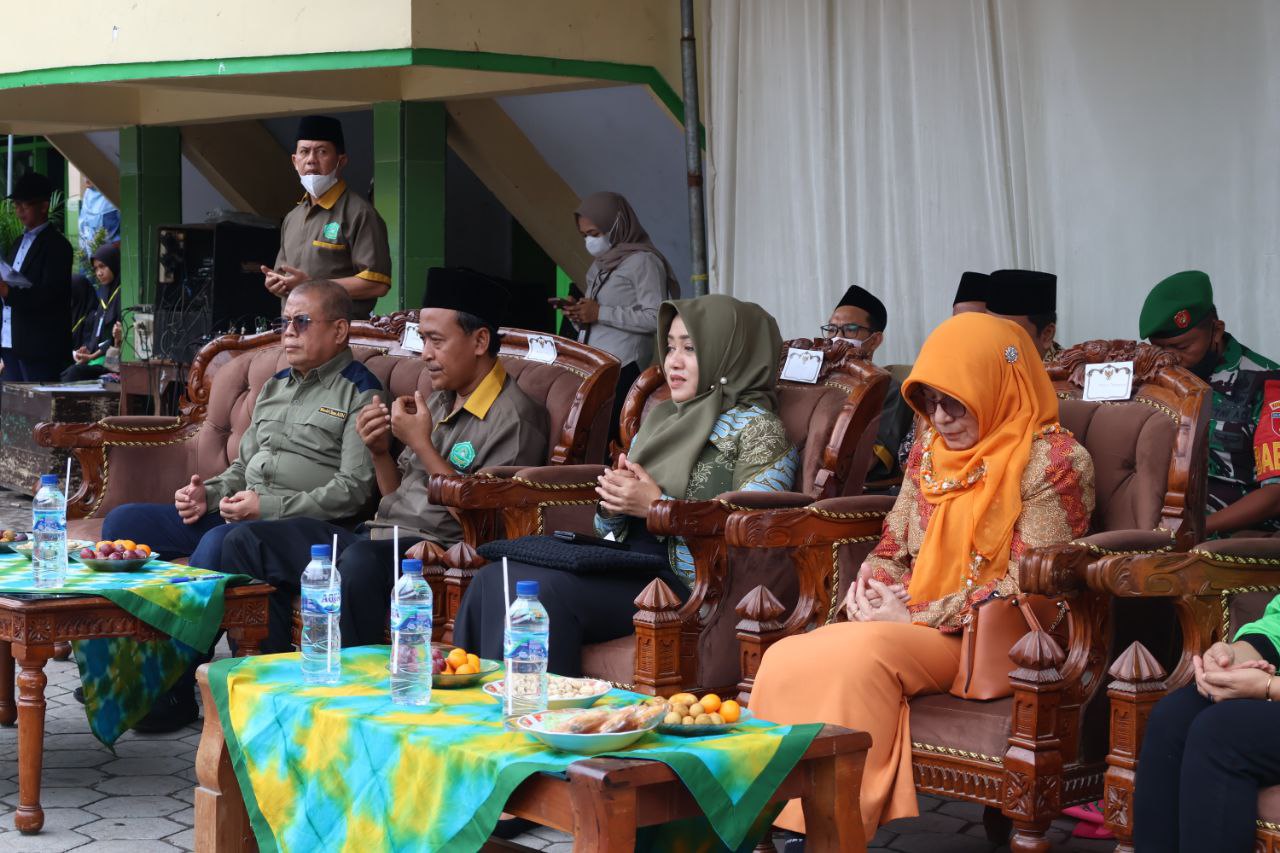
pixel 748 451
pixel 1057 503
pixel 1239 397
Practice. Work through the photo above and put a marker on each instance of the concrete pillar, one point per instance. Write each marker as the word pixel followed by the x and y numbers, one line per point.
pixel 150 195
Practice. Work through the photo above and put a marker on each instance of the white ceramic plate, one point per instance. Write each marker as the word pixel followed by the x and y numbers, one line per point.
pixel 495 688
pixel 592 744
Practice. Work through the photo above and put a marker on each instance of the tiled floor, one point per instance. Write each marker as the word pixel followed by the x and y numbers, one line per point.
pixel 138 799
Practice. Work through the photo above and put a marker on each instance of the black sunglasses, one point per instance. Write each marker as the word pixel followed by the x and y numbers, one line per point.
pixel 300 322
pixel 928 404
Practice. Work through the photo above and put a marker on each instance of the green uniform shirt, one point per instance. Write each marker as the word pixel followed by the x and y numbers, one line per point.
pixel 1238 384
pixel 498 425
pixel 302 454
pixel 338 235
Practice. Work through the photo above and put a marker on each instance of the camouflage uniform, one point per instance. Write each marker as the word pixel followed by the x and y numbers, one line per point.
pixel 1237 384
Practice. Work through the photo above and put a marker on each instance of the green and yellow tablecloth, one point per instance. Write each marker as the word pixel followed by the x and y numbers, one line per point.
pixel 122 677
pixel 341 768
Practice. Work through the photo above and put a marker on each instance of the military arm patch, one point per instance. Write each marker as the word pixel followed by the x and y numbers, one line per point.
pixel 1266 436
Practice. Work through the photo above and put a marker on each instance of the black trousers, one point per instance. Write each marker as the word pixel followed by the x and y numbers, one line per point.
pixel 278 551
pixel 1199 772
pixel 582 608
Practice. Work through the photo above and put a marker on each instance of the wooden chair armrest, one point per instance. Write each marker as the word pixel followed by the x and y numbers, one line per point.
pixel 116 430
pixel 804 526
pixel 529 487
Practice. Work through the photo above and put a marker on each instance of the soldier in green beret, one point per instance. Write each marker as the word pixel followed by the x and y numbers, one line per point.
pixel 1244 469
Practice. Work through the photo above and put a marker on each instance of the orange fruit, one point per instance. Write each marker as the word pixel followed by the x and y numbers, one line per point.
pixel 465 669
pixel 127 544
pixel 146 549
pixel 456 657
pixel 711 703
pixel 473 661
pixel 730 711
pixel 448 668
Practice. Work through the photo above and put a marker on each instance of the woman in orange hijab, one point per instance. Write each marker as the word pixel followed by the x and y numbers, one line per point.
pixel 992 475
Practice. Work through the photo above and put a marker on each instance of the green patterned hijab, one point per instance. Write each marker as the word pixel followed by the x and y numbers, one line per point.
pixel 737 345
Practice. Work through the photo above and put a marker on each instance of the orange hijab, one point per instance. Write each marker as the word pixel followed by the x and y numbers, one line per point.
pixel 991 366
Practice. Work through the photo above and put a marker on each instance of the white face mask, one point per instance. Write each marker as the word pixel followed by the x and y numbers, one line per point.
pixel 318 185
pixel 597 245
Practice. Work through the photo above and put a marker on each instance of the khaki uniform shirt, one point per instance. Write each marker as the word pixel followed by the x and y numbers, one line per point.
pixel 337 236
pixel 498 425
pixel 302 454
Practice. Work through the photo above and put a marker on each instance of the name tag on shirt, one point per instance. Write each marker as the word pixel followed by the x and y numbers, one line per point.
pixel 411 340
pixel 543 349
pixel 333 413
pixel 6 334
pixel 1112 380
pixel 802 365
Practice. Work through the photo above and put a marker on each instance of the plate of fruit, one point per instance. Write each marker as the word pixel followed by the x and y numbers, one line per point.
pixel 454 667
pixel 120 555
pixel 11 538
pixel 590 731
pixel 562 692
pixel 28 547
pixel 690 716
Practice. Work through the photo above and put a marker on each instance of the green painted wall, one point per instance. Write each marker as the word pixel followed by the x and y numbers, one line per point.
pixel 409 191
pixel 150 195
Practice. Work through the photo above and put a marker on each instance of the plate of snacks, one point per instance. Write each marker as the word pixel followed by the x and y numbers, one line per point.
pixel 689 716
pixel 28 547
pixel 591 731
pixel 11 538
pixel 454 667
pixel 562 692
pixel 120 555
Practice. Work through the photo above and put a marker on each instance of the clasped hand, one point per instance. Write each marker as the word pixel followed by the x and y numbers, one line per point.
pixel 869 600
pixel 627 489
pixel 281 281
pixel 1220 676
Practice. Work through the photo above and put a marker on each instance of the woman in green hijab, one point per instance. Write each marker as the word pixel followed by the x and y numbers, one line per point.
pixel 719 432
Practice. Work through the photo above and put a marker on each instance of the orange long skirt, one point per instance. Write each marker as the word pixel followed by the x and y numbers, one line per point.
pixel 859 675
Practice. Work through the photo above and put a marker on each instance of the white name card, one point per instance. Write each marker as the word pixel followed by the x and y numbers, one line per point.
pixel 1112 380
pixel 411 340
pixel 802 365
pixel 543 349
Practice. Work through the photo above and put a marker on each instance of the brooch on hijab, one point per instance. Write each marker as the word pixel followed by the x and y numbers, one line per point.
pixel 1011 353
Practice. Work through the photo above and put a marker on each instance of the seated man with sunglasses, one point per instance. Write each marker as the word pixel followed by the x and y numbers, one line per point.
pixel 860 318
pixel 301 456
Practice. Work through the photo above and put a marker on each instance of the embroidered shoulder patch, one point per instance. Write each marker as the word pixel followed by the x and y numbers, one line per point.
pixel 462 455
pixel 332 230
pixel 333 413
pixel 1266 435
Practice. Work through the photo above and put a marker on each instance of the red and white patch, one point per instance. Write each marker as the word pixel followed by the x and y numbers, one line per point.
pixel 1266 435
pixel 1182 319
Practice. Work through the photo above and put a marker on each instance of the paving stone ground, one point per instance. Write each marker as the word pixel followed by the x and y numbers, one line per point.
pixel 138 800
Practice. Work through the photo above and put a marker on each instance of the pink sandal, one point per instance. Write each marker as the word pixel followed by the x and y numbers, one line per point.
pixel 1090 821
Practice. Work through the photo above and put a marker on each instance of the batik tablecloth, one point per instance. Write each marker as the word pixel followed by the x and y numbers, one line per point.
pixel 341 768
pixel 122 677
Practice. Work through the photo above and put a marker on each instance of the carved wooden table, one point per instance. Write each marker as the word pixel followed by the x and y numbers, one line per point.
pixel 601 801
pixel 30 626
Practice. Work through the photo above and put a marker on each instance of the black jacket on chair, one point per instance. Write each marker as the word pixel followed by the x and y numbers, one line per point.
pixel 42 313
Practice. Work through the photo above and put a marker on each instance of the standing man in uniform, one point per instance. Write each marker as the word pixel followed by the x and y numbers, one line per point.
pixel 333 233
pixel 1030 299
pixel 477 417
pixel 1244 476
pixel 35 311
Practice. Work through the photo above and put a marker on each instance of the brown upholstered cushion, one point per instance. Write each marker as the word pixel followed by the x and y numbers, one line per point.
pixel 1269 804
pixel 555 387
pixel 1130 444
pixel 810 412
pixel 1121 541
pixel 1259 548
pixel 613 661
pixel 942 720
pixel 1246 607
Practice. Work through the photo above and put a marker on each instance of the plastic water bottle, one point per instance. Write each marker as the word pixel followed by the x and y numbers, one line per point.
pixel 411 637
pixel 49 534
pixel 321 604
pixel 524 648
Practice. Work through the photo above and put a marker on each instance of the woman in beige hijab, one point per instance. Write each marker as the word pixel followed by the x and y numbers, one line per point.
pixel 626 282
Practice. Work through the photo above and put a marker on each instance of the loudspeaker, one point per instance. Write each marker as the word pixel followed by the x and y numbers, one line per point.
pixel 210 283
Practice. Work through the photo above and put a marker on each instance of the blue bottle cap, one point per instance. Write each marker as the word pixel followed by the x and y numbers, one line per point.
pixel 48 479
pixel 527 588
pixel 411 567
pixel 321 552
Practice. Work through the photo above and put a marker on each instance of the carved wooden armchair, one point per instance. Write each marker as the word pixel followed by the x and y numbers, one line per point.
pixel 681 646
pixel 1213 590
pixel 1027 756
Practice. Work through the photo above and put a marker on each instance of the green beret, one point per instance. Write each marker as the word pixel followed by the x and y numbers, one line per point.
pixel 1175 305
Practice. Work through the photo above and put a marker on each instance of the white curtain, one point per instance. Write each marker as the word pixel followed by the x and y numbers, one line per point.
pixel 897 143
